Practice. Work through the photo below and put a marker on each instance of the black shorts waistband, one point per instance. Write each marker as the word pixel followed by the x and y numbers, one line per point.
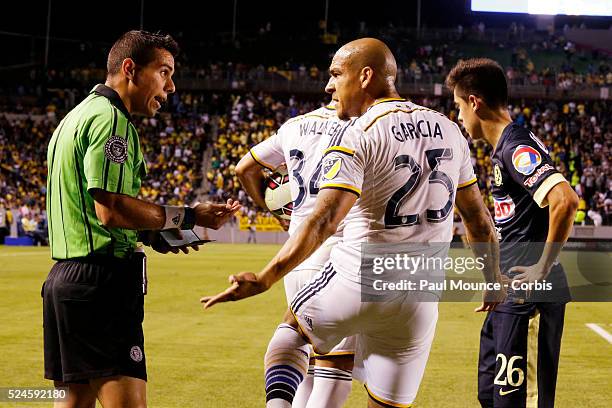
pixel 98 260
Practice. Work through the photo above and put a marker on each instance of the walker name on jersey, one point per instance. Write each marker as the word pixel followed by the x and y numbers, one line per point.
pixel 319 127
pixel 504 208
pixel 422 129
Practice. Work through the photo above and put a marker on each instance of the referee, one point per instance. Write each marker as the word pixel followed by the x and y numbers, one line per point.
pixel 93 296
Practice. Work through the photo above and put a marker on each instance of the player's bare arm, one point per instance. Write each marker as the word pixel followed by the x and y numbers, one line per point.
pixel 480 229
pixel 562 205
pixel 330 209
pixel 121 211
pixel 252 179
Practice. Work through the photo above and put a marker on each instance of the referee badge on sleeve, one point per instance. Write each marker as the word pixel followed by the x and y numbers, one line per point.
pixel 331 168
pixel 116 149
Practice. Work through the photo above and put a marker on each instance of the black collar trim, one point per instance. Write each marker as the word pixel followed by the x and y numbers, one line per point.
pixel 113 97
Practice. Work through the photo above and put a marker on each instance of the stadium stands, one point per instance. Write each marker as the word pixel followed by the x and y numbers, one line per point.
pixel 193 147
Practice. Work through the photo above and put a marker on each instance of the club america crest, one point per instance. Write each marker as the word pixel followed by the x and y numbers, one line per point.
pixel 497 175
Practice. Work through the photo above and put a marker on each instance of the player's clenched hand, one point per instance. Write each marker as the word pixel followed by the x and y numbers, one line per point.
pixel 283 223
pixel 492 298
pixel 213 216
pixel 244 285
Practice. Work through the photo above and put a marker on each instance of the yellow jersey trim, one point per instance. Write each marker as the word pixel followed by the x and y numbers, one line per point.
pixel 394 111
pixel 384 401
pixel 261 162
pixel 376 102
pixel 540 195
pixel 340 149
pixel 533 332
pixel 330 107
pixel 467 183
pixel 334 353
pixel 342 186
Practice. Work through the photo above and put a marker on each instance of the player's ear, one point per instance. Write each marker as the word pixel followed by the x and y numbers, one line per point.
pixel 367 74
pixel 128 67
pixel 474 102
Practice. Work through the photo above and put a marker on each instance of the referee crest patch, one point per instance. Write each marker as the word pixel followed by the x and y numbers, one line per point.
pixel 116 149
pixel 136 354
pixel 331 168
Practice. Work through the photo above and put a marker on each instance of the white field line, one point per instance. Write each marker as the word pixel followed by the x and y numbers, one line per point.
pixel 26 254
pixel 600 330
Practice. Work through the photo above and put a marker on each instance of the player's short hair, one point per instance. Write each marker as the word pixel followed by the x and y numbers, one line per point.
pixel 482 77
pixel 140 46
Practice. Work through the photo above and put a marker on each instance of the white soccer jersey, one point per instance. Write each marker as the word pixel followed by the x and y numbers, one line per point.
pixel 405 162
pixel 299 143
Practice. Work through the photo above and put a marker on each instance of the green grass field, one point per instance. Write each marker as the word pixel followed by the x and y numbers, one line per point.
pixel 214 358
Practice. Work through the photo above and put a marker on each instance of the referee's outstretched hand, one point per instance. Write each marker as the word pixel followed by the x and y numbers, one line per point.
pixel 213 216
pixel 244 285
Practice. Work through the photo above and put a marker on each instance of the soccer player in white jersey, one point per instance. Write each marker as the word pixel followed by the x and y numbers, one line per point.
pixel 299 143
pixel 390 151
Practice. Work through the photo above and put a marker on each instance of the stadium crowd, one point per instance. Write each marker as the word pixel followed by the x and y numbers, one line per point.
pixel 194 145
pixel 578 136
pixel 173 146
pixel 530 57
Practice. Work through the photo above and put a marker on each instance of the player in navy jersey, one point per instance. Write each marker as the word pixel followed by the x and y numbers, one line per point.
pixel 534 212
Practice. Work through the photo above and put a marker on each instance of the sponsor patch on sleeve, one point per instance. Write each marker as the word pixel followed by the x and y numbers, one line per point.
pixel 530 181
pixel 526 159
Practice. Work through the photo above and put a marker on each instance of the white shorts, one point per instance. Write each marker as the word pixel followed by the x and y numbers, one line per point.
pixel 298 278
pixel 393 338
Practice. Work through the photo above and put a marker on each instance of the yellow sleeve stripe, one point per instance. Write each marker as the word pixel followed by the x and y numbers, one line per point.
pixel 394 111
pixel 330 107
pixel 339 149
pixel 341 186
pixel 384 401
pixel 540 195
pixel 261 162
pixel 467 183
pixel 388 100
pixel 335 353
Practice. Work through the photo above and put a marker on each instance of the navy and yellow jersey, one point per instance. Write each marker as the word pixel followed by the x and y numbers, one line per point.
pixel 524 174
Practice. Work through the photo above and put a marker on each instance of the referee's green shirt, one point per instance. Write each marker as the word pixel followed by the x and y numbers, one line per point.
pixel 95 146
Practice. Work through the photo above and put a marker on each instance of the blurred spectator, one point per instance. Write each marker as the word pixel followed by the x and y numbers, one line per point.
pixel 6 219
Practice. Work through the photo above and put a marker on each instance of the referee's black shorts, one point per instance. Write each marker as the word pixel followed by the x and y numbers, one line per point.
pixel 92 319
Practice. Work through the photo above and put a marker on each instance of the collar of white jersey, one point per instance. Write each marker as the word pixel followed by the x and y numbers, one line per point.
pixel 383 100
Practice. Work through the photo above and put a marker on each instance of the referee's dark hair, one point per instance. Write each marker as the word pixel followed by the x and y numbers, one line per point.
pixel 481 77
pixel 139 46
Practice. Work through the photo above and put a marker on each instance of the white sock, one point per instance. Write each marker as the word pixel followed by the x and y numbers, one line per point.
pixel 285 363
pixel 303 392
pixel 331 388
